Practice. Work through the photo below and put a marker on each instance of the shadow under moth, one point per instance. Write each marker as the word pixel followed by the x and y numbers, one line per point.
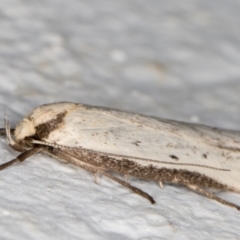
pixel 109 142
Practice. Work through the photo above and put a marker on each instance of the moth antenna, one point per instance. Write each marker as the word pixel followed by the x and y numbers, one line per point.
pixel 21 157
pixel 3 131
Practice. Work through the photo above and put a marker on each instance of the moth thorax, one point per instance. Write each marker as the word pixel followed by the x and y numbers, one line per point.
pixel 24 129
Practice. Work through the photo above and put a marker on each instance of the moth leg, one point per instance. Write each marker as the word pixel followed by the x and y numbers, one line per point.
pixel 95 175
pixel 212 196
pixel 58 154
pixel 134 189
pixel 21 157
pixel 160 184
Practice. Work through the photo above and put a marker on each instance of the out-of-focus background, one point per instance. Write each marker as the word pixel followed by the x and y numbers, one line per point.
pixel 172 59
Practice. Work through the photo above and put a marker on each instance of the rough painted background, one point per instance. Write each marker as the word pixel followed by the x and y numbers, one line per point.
pixel 172 59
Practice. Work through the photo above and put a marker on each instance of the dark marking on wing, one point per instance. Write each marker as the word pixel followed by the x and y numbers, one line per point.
pixel 205 155
pixel 136 143
pixel 43 130
pixel 174 157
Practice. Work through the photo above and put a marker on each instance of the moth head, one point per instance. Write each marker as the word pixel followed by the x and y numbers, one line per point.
pixel 41 122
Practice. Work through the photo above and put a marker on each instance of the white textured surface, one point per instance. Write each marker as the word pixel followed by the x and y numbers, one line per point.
pixel 174 59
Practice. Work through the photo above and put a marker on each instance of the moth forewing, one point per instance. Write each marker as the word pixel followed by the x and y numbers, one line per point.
pixel 109 141
pixel 145 140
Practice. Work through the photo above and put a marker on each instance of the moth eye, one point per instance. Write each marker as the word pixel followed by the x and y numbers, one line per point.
pixel 26 142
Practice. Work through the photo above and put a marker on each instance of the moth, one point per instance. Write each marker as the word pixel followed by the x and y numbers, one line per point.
pixel 114 143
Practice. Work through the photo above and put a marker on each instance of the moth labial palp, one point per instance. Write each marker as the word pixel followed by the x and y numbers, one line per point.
pixel 108 142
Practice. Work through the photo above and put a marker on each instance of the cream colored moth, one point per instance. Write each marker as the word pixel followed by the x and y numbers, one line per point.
pixel 109 142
